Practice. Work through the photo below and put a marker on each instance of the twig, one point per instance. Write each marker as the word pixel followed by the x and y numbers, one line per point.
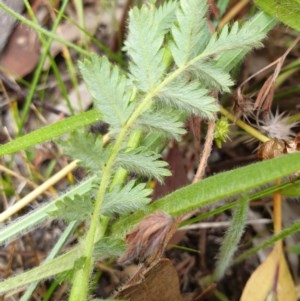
pixel 232 13
pixel 38 191
pixel 206 151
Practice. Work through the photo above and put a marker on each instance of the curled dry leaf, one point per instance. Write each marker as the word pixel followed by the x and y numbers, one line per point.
pixel 147 241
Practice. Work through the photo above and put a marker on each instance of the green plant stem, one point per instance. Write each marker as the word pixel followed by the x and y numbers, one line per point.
pixel 79 289
pixel 61 84
pixel 80 286
pixel 73 77
pixel 250 130
pixel 294 228
pixel 121 173
pixel 220 296
pixel 294 118
pixel 277 216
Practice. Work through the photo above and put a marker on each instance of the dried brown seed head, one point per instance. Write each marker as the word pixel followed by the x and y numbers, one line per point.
pixel 148 239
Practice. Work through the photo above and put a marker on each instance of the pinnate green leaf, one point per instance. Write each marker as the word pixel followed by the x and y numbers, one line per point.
pixel 144 163
pixel 77 208
pixel 190 33
pixel 245 37
pixel 164 121
pixel 189 97
pixel 211 75
pixel 144 47
pixel 109 246
pixel 165 16
pixel 86 148
pixel 110 89
pixel 262 23
pixel 127 199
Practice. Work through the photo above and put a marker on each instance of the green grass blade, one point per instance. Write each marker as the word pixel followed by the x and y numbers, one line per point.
pixel 58 265
pixel 287 11
pixel 37 217
pixel 294 228
pixel 51 131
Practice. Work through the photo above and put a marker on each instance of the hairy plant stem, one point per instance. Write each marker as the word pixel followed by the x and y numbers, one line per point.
pixel 249 129
pixel 121 173
pixel 80 285
pixel 79 289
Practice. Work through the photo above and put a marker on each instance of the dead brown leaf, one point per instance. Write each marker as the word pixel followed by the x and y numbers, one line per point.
pixel 160 282
pixel 22 52
pixel 271 280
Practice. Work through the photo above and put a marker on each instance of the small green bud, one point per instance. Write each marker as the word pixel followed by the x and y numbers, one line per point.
pixel 222 130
